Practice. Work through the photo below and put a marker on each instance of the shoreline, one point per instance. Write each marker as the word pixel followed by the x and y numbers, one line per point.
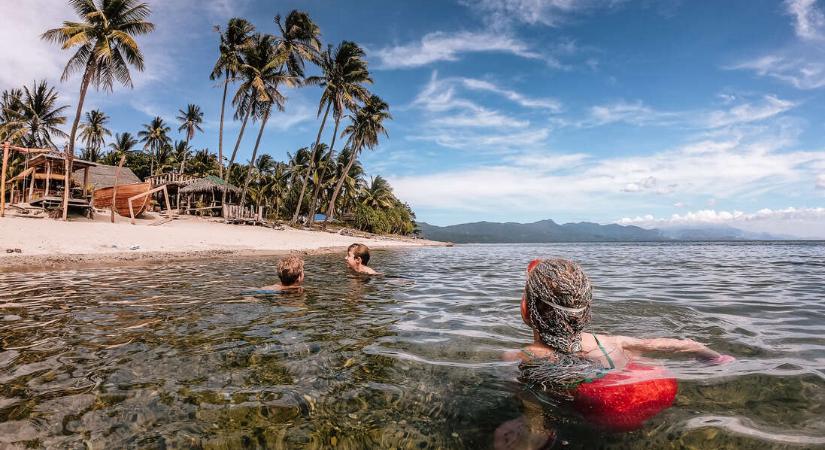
pixel 47 244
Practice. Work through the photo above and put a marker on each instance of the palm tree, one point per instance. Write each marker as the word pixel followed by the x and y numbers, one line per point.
pixel 181 151
pixel 32 116
pixel 93 134
pixel 378 195
pixel 123 143
pixel 300 40
pixel 366 125
pixel 263 74
pixel 104 36
pixel 204 163
pixel 190 121
pixel 155 136
pixel 344 73
pixel 236 38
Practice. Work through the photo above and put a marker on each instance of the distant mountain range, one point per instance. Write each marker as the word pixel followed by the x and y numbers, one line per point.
pixel 549 231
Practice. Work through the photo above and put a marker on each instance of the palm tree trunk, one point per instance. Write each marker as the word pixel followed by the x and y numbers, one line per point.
pixel 183 163
pixel 67 183
pixel 220 129
pixel 252 162
pixel 235 153
pixel 311 162
pixel 340 184
pixel 312 205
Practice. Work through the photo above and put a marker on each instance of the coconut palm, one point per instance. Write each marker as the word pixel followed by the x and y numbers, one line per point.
pixel 11 111
pixel 300 40
pixel 190 122
pixel 123 143
pixel 181 151
pixel 236 38
pixel 105 43
pixel 155 136
pixel 378 194
pixel 32 116
pixel 367 124
pixel 344 72
pixel 203 163
pixel 93 133
pixel 263 73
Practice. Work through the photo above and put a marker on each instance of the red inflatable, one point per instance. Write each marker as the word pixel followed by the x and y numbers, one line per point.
pixel 623 400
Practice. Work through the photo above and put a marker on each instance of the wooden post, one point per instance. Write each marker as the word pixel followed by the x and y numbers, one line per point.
pixel 67 182
pixel 150 192
pixel 114 189
pixel 85 179
pixel 31 186
pixel 3 180
pixel 48 177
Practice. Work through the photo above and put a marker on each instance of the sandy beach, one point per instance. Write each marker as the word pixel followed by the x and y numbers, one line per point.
pixel 46 243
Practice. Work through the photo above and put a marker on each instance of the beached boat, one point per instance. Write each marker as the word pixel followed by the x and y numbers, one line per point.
pixel 102 198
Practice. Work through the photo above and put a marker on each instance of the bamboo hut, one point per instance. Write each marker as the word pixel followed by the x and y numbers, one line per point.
pixel 174 182
pixel 42 183
pixel 204 195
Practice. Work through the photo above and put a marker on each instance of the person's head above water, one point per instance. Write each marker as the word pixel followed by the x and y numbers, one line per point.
pixel 556 303
pixel 358 256
pixel 291 271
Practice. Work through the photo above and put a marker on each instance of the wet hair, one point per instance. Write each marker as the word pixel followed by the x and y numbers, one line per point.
pixel 558 295
pixel 290 270
pixel 360 251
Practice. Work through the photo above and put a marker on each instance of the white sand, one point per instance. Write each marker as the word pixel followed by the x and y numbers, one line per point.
pixel 83 240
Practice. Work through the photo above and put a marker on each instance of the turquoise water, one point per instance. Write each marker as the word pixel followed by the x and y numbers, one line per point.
pixel 171 355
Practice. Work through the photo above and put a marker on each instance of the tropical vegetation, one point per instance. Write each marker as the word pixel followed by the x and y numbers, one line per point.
pixel 255 69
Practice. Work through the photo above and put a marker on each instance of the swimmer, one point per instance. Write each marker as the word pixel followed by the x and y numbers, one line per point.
pixel 358 256
pixel 617 393
pixel 290 273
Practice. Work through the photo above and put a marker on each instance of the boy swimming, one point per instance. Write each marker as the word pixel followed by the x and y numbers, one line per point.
pixel 290 273
pixel 358 256
pixel 599 375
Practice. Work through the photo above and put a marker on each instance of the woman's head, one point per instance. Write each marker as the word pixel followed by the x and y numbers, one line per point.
pixel 556 302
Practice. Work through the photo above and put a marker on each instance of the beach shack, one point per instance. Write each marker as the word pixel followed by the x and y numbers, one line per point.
pixel 174 182
pixel 42 182
pixel 203 195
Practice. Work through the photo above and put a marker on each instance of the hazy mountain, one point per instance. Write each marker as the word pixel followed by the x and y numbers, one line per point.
pixel 550 231
pixel 541 231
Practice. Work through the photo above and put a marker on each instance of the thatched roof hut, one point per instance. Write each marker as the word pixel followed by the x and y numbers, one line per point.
pixel 102 176
pixel 209 184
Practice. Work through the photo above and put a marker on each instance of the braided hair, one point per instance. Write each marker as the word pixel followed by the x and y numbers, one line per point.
pixel 559 295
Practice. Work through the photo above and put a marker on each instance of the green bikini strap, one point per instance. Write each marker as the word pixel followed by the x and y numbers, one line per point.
pixel 609 361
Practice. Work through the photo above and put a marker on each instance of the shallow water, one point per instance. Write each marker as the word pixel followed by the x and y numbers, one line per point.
pixel 173 356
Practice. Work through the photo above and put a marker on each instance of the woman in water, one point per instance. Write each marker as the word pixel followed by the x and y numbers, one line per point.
pixel 601 377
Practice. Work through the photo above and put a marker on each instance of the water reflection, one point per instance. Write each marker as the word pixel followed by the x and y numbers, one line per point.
pixel 174 356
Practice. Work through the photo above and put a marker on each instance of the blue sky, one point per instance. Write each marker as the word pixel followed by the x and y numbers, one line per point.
pixel 654 113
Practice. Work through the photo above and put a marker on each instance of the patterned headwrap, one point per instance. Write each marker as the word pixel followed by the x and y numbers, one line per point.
pixel 558 295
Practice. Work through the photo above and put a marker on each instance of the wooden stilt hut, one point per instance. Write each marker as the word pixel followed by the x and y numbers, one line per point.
pixel 43 182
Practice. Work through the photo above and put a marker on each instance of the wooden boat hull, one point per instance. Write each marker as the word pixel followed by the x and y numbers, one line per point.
pixel 102 198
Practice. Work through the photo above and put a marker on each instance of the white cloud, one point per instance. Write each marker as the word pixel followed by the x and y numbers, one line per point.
pixel 525 101
pixel 443 46
pixel 453 121
pixel 802 222
pixel 809 20
pixel 820 181
pixel 748 112
pixel 503 13
pixel 25 57
pixel 639 114
pixel 802 72
pixel 753 163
